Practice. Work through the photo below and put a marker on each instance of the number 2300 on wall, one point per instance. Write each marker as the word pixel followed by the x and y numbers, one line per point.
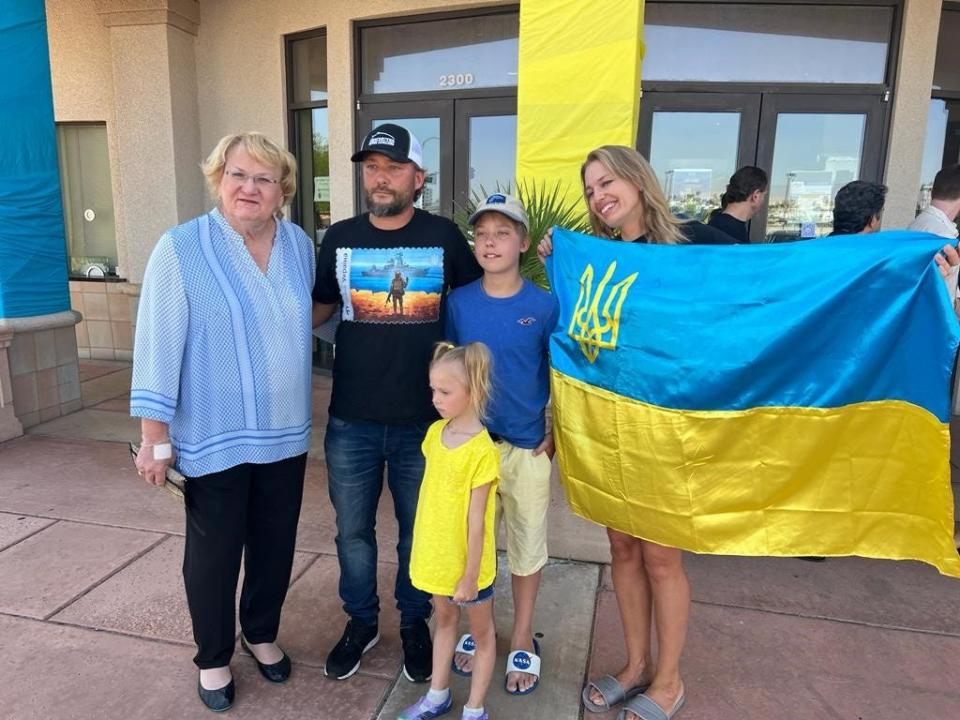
pixel 456 79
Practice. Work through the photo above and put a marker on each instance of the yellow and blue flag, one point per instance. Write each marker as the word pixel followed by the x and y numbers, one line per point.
pixel 788 399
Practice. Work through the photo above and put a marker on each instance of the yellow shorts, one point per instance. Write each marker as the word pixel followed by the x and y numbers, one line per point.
pixel 524 491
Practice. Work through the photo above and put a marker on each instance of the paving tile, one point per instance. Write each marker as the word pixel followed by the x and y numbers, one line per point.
pixel 92 425
pixel 33 468
pixel 90 369
pixel 318 528
pixel 313 619
pixel 82 480
pixel 317 520
pixel 146 598
pixel 119 404
pixel 883 592
pixel 563 619
pixel 47 570
pixel 105 387
pixel 16 527
pixel 88 674
pixel 755 665
pixel 847 698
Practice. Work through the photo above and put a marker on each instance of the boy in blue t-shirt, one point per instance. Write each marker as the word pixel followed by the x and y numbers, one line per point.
pixel 514 318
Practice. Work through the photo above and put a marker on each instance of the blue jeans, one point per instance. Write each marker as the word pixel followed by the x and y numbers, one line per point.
pixel 357 452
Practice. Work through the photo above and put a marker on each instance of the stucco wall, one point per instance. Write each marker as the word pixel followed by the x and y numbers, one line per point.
pixel 241 74
pixel 190 188
pixel 145 139
pixel 911 102
pixel 80 64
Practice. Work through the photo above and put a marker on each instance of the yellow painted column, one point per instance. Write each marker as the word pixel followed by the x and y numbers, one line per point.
pixel 579 85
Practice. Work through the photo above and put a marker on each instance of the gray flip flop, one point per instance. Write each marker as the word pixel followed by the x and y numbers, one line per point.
pixel 612 691
pixel 646 709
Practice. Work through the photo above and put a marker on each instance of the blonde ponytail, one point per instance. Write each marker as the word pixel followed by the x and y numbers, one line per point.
pixel 477 363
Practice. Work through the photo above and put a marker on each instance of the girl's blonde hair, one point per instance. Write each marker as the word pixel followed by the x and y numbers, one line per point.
pixel 629 165
pixel 262 149
pixel 476 361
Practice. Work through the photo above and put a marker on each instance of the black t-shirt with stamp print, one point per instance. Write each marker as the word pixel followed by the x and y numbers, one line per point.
pixel 393 286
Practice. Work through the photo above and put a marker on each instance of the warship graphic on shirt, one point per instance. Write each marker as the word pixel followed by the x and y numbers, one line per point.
pixel 390 285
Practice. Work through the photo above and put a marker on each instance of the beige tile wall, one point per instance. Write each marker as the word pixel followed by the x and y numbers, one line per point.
pixel 45 374
pixel 109 311
pixel 10 426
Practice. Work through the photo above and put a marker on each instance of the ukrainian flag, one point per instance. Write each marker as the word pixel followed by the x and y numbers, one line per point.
pixel 788 399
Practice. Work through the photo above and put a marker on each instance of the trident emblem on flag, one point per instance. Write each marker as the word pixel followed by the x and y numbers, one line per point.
pixel 595 329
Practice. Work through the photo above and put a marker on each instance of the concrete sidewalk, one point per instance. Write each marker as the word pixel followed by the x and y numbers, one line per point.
pixel 93 621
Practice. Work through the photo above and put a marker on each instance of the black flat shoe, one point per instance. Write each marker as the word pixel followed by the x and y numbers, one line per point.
pixel 278 672
pixel 217 700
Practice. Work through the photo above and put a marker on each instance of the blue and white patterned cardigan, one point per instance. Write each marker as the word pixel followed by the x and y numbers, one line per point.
pixel 222 350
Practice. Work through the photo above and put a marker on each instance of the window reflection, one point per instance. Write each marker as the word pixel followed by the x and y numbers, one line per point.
pixel 766 43
pixel 694 154
pixel 937 119
pixel 310 69
pixel 313 160
pixel 493 153
pixel 454 54
pixel 815 154
pixel 946 75
pixel 427 131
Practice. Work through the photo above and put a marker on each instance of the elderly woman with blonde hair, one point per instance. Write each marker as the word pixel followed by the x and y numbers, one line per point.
pixel 221 383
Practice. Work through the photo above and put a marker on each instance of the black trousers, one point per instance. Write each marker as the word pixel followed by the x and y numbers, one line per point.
pixel 251 510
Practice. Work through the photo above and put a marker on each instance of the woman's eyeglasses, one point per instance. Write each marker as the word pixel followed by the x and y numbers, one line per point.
pixel 240 178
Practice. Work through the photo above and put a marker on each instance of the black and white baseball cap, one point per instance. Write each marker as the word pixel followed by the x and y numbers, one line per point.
pixel 394 141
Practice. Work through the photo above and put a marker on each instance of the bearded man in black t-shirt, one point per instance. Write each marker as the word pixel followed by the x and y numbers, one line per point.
pixel 381 406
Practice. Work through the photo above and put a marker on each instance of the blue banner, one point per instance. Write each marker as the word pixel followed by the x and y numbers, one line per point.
pixel 33 262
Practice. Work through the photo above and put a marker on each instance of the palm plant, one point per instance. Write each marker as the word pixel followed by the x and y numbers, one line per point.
pixel 546 206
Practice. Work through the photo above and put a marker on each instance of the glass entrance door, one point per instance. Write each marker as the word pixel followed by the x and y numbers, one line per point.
pixel 695 144
pixel 809 145
pixel 485 151
pixel 432 124
pixel 469 145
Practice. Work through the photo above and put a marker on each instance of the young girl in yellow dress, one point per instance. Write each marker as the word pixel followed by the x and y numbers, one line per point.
pixel 454 551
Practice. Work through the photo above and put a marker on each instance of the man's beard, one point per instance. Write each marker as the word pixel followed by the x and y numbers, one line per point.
pixel 400 202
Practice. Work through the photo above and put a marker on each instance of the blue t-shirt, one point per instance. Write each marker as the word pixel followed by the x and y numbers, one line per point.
pixel 517 331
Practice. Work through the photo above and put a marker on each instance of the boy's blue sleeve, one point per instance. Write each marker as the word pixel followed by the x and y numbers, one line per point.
pixel 552 321
pixel 450 331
